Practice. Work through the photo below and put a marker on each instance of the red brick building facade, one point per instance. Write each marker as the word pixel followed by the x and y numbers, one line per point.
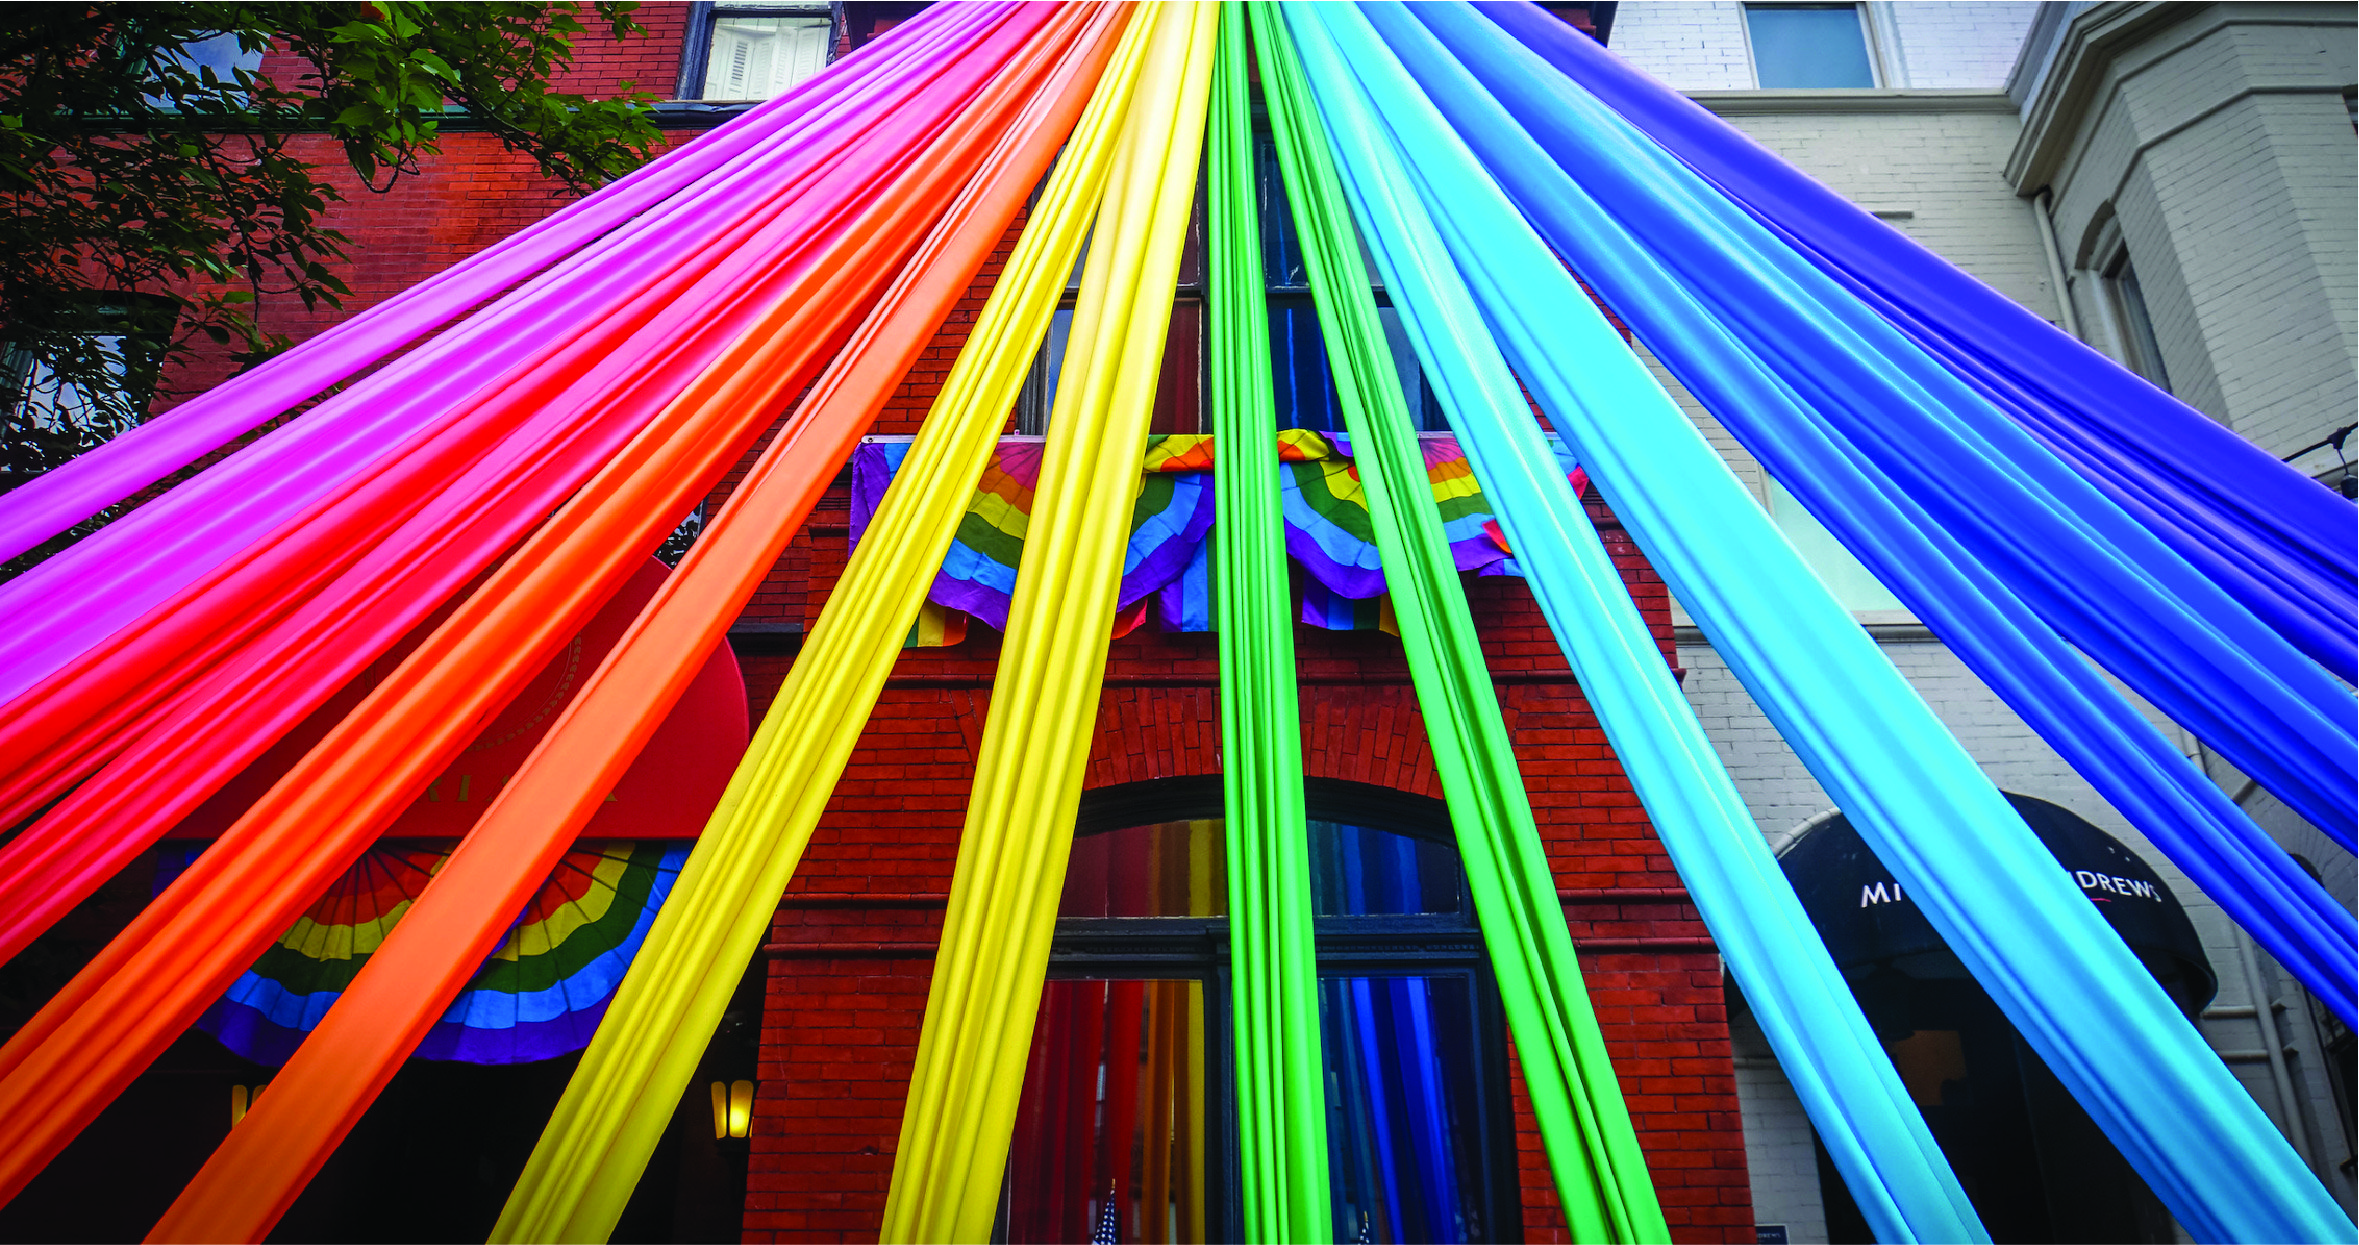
pixel 848 961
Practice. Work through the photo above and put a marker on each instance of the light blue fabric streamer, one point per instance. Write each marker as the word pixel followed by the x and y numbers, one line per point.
pixel 2074 555
pixel 1938 577
pixel 1873 1132
pixel 2274 538
pixel 2003 904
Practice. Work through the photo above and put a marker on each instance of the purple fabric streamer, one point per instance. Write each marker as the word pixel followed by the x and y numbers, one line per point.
pixel 2274 539
pixel 53 613
pixel 74 491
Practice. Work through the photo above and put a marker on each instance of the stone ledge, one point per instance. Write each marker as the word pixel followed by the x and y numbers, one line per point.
pixel 1851 100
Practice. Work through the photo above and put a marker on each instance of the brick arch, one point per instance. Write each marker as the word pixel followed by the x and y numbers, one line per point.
pixel 1362 733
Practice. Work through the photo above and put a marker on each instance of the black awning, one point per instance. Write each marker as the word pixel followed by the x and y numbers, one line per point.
pixel 1868 921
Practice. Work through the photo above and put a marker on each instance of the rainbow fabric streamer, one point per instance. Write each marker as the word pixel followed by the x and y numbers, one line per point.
pixel 1326 513
pixel 540 995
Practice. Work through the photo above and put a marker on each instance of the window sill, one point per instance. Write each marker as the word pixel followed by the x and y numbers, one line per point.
pixel 1849 99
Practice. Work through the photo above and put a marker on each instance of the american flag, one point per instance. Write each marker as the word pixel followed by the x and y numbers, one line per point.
pixel 1109 1221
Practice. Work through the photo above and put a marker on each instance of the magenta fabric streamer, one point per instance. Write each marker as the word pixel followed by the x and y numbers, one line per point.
pixel 300 661
pixel 62 607
pixel 74 491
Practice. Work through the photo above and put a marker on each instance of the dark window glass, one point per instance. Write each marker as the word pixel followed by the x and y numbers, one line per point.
pixel 1171 869
pixel 2138 326
pixel 1126 1126
pixel 1358 871
pixel 1808 46
pixel 1304 382
pixel 1110 1135
pixel 1403 1108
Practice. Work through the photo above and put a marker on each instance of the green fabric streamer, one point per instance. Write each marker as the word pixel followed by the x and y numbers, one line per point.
pixel 1593 1152
pixel 1273 957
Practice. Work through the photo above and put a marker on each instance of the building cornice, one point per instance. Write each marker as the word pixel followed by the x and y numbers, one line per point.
pixel 1849 100
pixel 2083 75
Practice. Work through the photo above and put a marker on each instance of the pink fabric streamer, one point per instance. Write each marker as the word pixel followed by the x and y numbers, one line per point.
pixel 73 492
pixel 64 606
pixel 273 684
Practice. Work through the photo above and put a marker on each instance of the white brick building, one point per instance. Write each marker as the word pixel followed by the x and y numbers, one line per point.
pixel 2174 183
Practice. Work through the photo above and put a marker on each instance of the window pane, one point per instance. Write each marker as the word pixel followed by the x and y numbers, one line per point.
pixel 1298 368
pixel 48 402
pixel 1038 396
pixel 1808 46
pixel 1172 869
pixel 2145 350
pixel 1424 407
pixel 1828 559
pixel 1359 871
pixel 1109 1140
pixel 1404 1122
pixel 759 57
pixel 1306 386
pixel 1281 249
pixel 1179 402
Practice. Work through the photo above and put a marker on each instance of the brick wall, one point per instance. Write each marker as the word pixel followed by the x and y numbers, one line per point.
pixel 847 982
pixel 1782 796
pixel 2216 138
pixel 1691 45
pixel 1699 45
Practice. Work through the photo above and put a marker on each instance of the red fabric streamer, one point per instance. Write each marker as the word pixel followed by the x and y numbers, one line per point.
pixel 147 985
pixel 577 410
pixel 414 975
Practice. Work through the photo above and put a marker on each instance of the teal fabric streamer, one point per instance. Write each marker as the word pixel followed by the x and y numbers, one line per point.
pixel 2084 564
pixel 2279 541
pixel 1938 575
pixel 2012 915
pixel 1874 1133
pixel 1601 1175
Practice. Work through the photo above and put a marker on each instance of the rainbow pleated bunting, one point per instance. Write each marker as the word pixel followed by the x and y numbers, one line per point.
pixel 1327 530
pixel 539 995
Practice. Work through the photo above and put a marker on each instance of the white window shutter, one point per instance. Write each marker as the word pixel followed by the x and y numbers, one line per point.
pixel 801 52
pixel 725 75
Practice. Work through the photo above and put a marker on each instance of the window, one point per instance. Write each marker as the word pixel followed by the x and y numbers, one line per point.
pixel 1127 1113
pixel 1298 352
pixel 1304 384
pixel 223 54
pixel 2132 324
pixel 45 418
pixel 1809 46
pixel 753 51
pixel 1178 391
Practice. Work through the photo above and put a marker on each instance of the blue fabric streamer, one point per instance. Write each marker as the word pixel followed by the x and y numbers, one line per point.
pixel 1847 1084
pixel 2074 556
pixel 2011 914
pixel 1945 583
pixel 2272 537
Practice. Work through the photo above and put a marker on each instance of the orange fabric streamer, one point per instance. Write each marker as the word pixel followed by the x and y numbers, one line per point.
pixel 423 963
pixel 111 1021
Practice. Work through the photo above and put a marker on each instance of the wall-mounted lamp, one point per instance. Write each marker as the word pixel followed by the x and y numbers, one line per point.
pixel 733 1108
pixel 241 1100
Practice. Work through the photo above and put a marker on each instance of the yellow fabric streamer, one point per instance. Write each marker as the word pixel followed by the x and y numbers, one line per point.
pixel 582 1173
pixel 961 1112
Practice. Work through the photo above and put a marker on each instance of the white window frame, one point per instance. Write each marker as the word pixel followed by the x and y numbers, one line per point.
pixel 704 19
pixel 1872 36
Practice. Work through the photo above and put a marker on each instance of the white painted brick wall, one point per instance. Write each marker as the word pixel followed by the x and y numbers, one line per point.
pixel 1781 795
pixel 1963 46
pixel 1691 45
pixel 1780 1155
pixel 1944 167
pixel 1700 46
